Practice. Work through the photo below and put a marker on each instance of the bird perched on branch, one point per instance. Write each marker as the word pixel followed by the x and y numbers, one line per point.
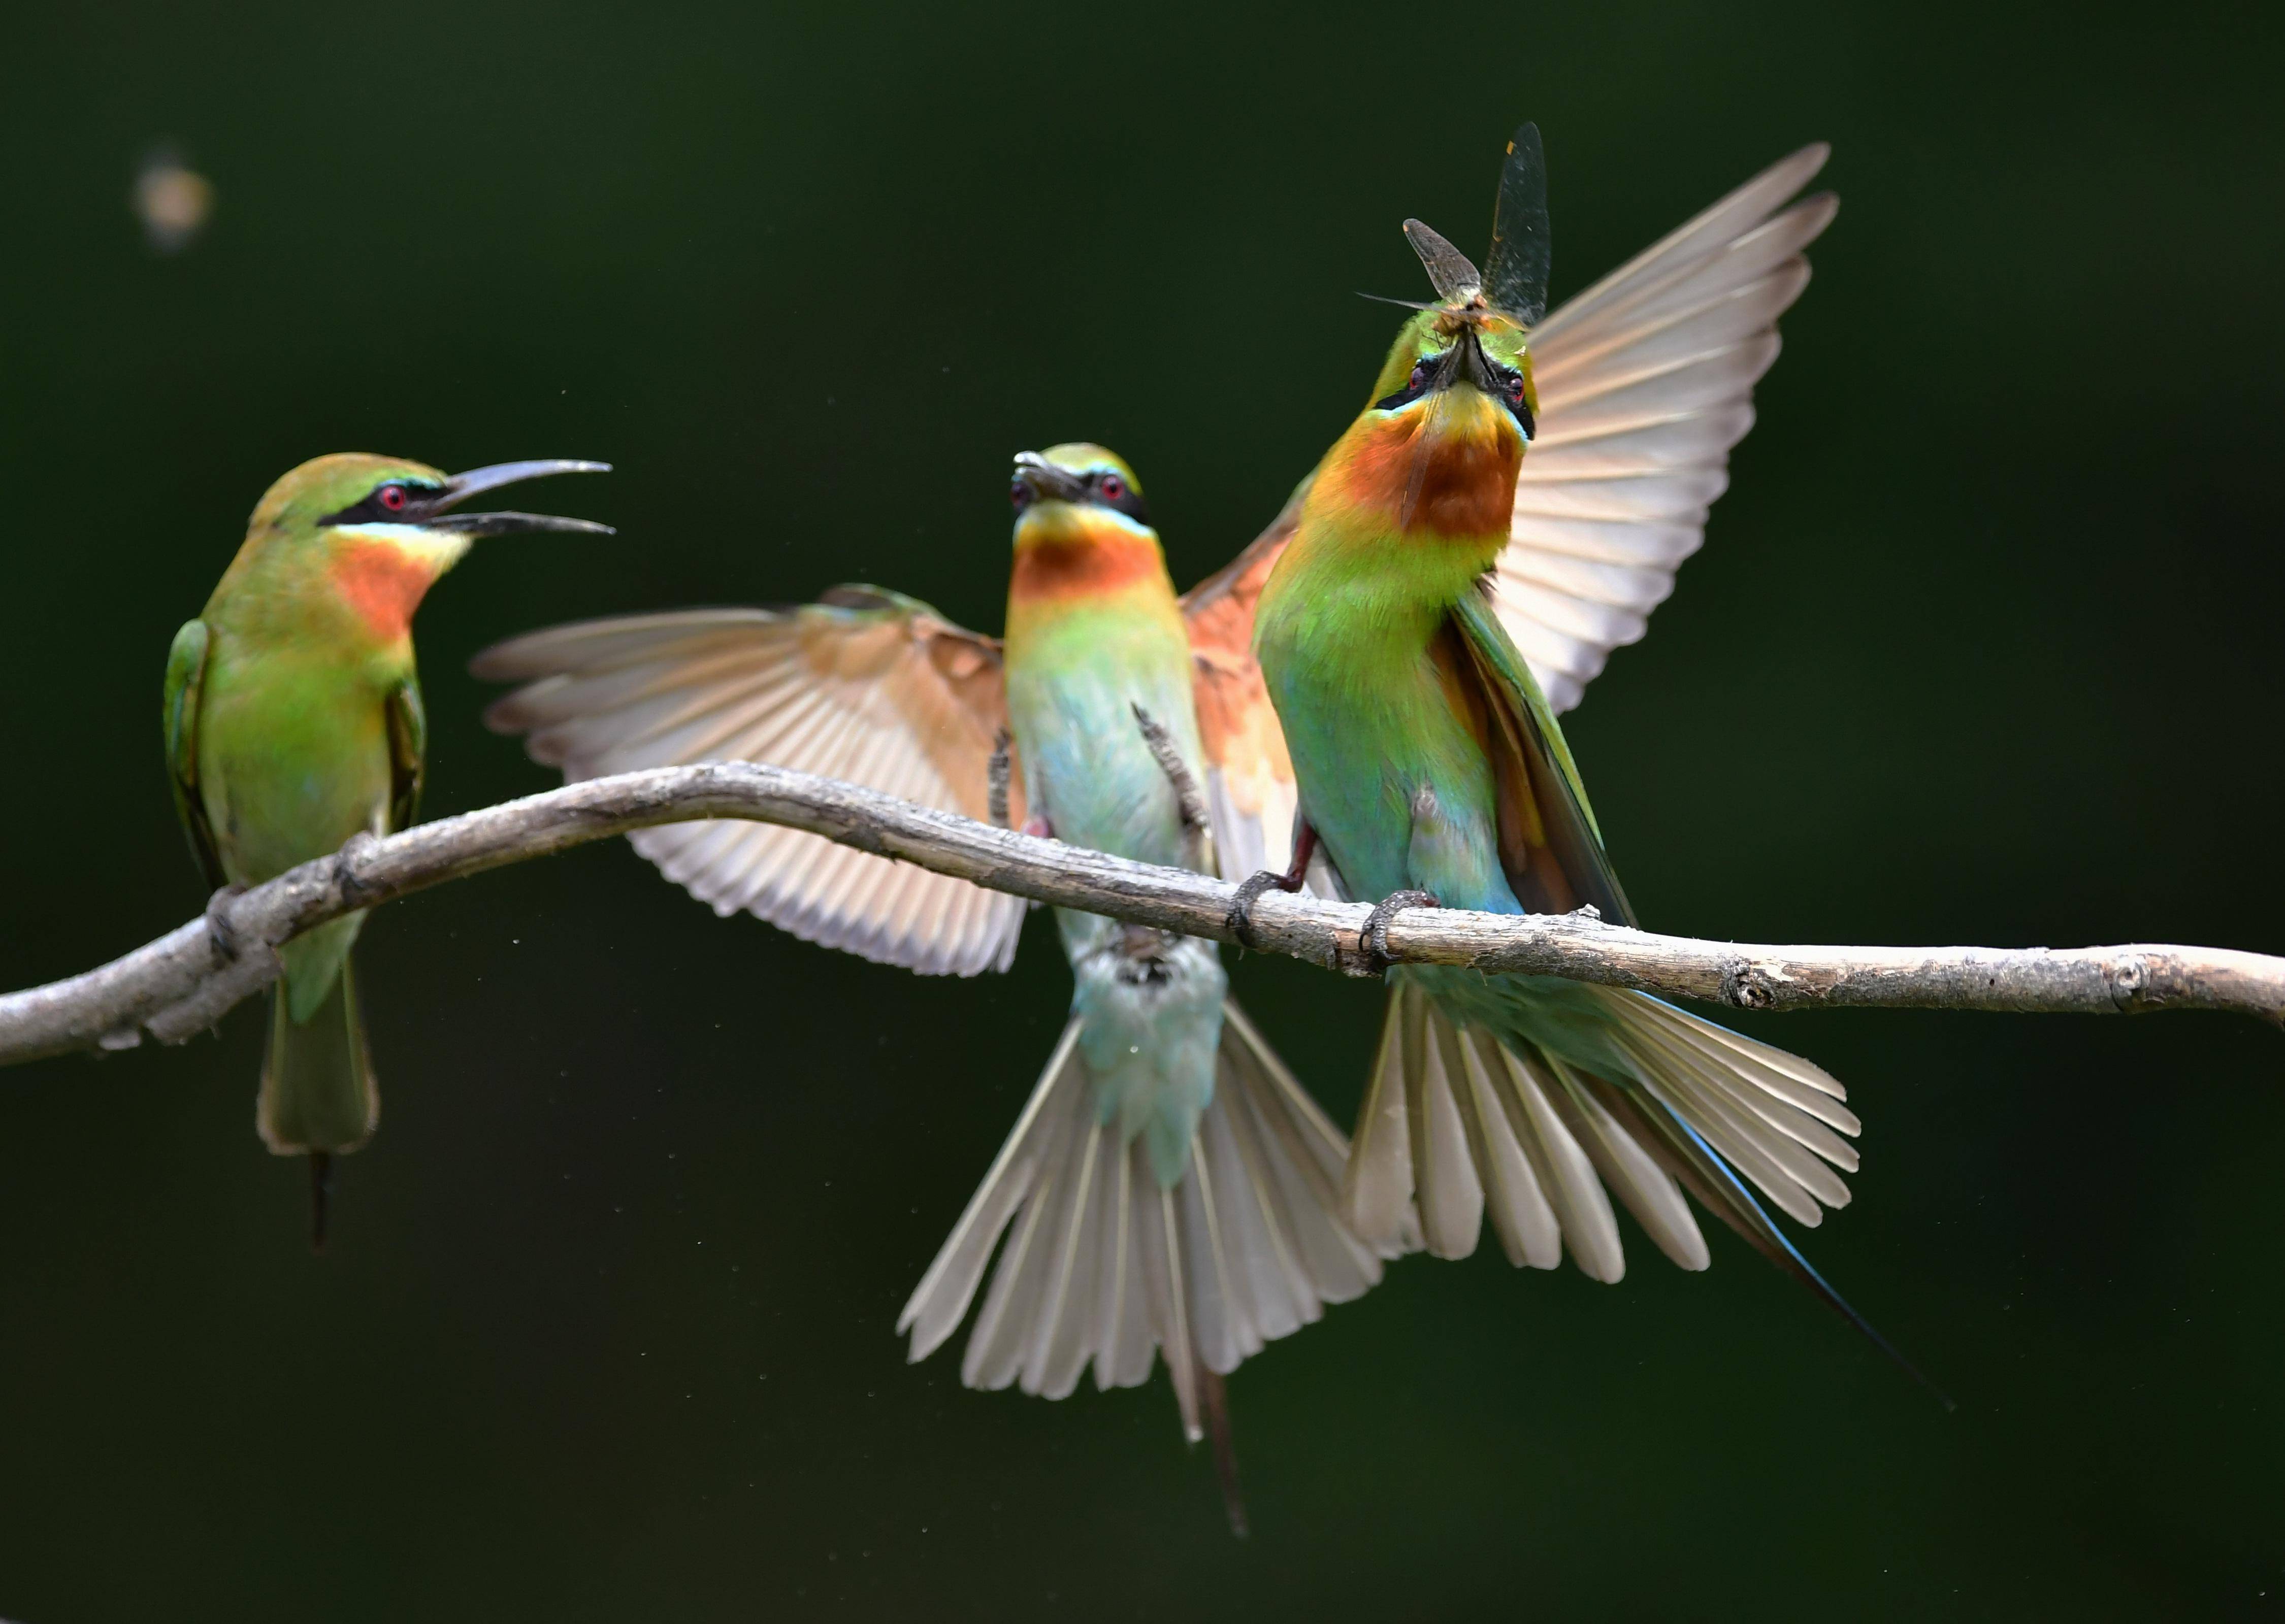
pixel 1510 504
pixel 1169 1183
pixel 293 722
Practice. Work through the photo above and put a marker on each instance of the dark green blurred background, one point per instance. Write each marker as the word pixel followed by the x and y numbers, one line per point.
pixel 1981 647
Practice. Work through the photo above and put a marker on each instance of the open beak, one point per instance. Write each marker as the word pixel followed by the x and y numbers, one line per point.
pixel 429 511
pixel 1037 480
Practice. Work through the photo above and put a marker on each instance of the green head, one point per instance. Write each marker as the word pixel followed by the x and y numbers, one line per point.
pixel 1047 484
pixel 1083 529
pixel 1441 350
pixel 1439 447
pixel 357 490
pixel 380 530
pixel 1474 336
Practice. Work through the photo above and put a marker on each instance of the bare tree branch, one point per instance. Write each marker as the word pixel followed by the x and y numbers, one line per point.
pixel 187 980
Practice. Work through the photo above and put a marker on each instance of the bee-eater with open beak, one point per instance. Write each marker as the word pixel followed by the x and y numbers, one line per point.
pixel 1169 1184
pixel 1508 506
pixel 293 722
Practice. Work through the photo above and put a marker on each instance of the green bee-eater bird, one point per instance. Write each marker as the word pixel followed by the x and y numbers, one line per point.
pixel 1169 1183
pixel 293 721
pixel 1508 507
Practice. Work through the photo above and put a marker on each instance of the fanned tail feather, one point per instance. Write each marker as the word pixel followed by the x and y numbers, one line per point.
pixel 1457 1124
pixel 1103 1265
pixel 1460 1123
pixel 1683 1150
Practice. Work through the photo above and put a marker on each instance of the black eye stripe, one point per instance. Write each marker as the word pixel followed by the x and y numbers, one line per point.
pixel 1512 396
pixel 372 511
pixel 1128 501
pixel 1425 371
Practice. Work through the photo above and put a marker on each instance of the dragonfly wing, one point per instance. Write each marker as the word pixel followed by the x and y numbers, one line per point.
pixel 1515 272
pixel 1451 272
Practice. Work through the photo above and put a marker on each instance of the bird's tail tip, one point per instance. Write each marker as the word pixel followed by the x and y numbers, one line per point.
pixel 1099 1263
pixel 1213 1395
pixel 321 1196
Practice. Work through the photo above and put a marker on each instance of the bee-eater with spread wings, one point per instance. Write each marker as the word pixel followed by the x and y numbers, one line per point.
pixel 293 721
pixel 1169 1184
pixel 1509 506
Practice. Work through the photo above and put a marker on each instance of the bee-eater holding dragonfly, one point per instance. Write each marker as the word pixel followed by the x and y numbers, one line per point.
pixel 293 722
pixel 1169 1184
pixel 1509 508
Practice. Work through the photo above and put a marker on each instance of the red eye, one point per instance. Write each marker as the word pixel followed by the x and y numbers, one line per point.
pixel 392 499
pixel 1515 391
pixel 1112 487
pixel 1419 379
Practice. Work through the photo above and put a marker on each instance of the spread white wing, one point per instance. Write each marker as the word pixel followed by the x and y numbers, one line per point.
pixel 1645 381
pixel 867 687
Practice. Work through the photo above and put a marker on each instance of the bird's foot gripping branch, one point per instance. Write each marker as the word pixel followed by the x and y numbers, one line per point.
pixel 185 981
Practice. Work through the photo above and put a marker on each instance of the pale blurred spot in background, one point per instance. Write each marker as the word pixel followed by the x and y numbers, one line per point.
pixel 172 200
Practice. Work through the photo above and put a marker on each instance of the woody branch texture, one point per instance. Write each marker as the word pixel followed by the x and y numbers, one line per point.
pixel 188 979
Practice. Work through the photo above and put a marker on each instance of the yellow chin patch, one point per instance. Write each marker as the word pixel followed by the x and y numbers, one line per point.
pixel 437 550
pixel 1474 418
pixel 1055 523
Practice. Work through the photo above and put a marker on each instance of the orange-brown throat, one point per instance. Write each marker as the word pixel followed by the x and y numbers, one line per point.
pixel 383 584
pixel 1447 469
pixel 1065 551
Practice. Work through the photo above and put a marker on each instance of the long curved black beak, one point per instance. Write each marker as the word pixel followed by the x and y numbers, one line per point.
pixel 1465 363
pixel 1475 366
pixel 1037 480
pixel 429 511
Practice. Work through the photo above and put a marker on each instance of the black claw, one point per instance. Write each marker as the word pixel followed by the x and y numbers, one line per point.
pixel 1250 888
pixel 321 1192
pixel 1249 892
pixel 1372 941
